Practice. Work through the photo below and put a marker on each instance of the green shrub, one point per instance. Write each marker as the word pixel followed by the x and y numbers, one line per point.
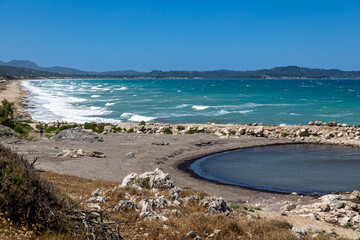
pixel 167 131
pixel 66 127
pixel 51 129
pixel 98 128
pixel 142 123
pixel 131 130
pixel 284 134
pixel 116 129
pixel 7 111
pixel 232 132
pixel 180 128
pixel 192 131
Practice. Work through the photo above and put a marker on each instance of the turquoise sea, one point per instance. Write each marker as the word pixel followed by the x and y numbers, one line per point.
pixel 286 102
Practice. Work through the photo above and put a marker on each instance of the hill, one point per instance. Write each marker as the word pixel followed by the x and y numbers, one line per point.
pixel 28 69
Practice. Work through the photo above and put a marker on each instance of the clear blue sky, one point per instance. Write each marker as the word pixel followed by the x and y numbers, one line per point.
pixel 183 35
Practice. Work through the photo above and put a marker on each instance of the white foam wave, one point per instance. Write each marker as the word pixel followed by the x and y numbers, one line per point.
pixel 139 118
pixel 124 115
pixel 95 96
pixel 121 89
pixel 200 107
pixel 181 106
pixel 294 114
pixel 109 104
pixel 49 107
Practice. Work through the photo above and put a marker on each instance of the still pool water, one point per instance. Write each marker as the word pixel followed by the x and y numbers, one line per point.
pixel 304 169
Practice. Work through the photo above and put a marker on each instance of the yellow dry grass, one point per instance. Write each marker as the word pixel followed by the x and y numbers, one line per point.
pixel 193 217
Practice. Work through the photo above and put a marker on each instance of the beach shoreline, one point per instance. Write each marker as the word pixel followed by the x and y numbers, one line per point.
pixel 174 153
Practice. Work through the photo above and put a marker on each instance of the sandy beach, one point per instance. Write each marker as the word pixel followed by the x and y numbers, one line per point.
pixel 172 153
pixel 15 93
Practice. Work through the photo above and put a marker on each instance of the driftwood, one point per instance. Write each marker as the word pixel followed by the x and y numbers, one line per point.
pixel 95 224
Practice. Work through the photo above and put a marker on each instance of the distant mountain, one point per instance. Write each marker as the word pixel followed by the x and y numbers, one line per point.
pixel 27 69
pixel 63 70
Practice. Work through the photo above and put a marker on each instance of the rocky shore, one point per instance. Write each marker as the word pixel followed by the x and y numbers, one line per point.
pixel 314 132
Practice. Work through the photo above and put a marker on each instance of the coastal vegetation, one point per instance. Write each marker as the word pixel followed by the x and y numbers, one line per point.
pixel 27 69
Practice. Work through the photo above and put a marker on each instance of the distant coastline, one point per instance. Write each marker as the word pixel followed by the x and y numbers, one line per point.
pixel 23 69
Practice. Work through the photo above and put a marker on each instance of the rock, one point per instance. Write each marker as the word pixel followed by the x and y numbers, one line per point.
pixel 80 152
pixel 6 132
pixel 77 134
pixel 356 219
pixel 146 205
pixel 344 221
pixel 311 123
pixel 216 205
pixel 289 207
pixel 313 216
pixel 174 193
pixel 258 130
pixel 130 155
pixel 108 128
pixel 333 201
pixel 191 234
pixel 95 154
pixel 325 207
pixel 153 216
pixel 355 195
pixel 95 206
pixel 126 205
pixel 129 179
pixel 160 203
pixel 97 192
pixel 158 179
pixel 298 231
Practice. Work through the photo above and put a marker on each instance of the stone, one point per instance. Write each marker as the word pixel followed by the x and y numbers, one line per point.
pixel 289 207
pixel 129 179
pixel 126 205
pixel 355 195
pixel 325 207
pixel 80 152
pixel 333 201
pixel 298 231
pixel 146 205
pixel 95 206
pixel 216 205
pixel 311 123
pixel 97 192
pixel 356 218
pixel 160 203
pixel 258 130
pixel 344 221
pixel 130 155
pixel 158 179
pixel 191 234
pixel 77 134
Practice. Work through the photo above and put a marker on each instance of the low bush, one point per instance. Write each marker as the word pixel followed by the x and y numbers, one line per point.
pixel 180 128
pixel 142 123
pixel 95 127
pixel 167 131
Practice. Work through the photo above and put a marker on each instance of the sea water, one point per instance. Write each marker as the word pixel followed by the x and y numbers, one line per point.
pixel 280 102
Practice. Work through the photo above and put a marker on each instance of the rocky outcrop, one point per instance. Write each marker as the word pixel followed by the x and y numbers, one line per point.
pixel 73 153
pixel 340 209
pixel 155 179
pixel 6 133
pixel 216 205
pixel 77 134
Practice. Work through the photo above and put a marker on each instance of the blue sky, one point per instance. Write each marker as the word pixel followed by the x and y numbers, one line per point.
pixel 181 35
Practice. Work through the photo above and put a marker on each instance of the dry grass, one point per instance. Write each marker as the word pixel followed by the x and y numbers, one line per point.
pixel 193 217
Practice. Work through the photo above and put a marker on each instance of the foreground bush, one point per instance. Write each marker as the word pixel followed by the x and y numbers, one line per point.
pixel 28 199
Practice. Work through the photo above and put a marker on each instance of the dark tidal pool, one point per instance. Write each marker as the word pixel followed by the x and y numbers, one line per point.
pixel 304 169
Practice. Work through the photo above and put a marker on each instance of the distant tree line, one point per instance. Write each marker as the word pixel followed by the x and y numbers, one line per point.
pixel 278 72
